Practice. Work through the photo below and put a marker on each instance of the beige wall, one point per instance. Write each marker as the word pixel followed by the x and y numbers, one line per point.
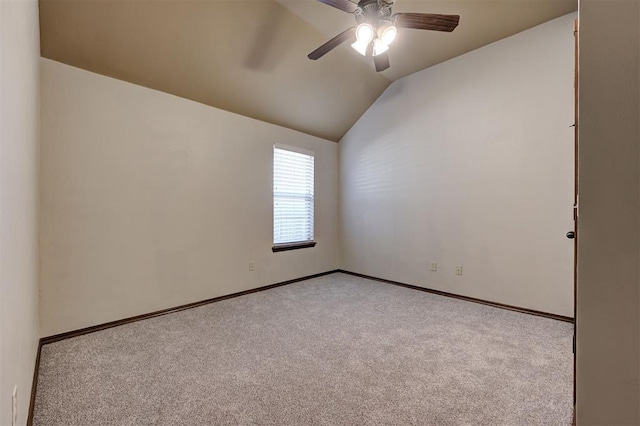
pixel 470 163
pixel 608 322
pixel 19 116
pixel 150 201
pixel 135 188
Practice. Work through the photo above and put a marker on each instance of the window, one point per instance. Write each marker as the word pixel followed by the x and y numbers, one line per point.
pixel 292 198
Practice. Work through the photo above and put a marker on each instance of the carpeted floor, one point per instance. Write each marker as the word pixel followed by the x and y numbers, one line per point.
pixel 335 350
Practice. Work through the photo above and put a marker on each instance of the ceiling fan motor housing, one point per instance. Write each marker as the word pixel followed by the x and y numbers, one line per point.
pixel 373 12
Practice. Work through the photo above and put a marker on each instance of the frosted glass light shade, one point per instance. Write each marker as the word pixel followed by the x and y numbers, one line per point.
pixel 379 47
pixel 389 34
pixel 361 48
pixel 364 33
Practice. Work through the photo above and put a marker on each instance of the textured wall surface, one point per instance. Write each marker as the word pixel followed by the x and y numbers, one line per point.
pixel 150 201
pixel 470 163
pixel 19 124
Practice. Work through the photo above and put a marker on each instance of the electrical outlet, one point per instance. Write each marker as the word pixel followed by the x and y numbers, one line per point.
pixel 252 266
pixel 459 270
pixel 434 266
pixel 14 406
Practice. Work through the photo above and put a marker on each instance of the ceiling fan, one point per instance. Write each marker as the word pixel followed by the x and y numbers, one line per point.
pixel 377 28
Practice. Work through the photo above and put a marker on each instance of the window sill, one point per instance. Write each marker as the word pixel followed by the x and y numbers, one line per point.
pixel 293 246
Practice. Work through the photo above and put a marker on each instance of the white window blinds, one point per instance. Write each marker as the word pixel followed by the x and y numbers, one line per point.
pixel 292 195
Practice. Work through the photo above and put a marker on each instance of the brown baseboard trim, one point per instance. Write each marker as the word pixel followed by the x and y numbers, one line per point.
pixel 466 298
pixel 92 329
pixel 34 384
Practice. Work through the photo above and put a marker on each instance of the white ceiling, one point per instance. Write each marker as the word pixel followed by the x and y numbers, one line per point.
pixel 249 56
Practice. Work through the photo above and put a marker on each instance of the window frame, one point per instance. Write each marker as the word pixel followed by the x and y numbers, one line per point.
pixel 278 247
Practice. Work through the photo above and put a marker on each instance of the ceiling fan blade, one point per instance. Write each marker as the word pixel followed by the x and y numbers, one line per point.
pixel 347 34
pixel 381 61
pixel 344 5
pixel 426 21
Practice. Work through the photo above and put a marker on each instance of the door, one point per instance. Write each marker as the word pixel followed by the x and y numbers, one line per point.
pixel 574 234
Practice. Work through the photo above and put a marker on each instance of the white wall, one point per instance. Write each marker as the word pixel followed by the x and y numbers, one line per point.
pixel 608 315
pixel 470 163
pixel 19 124
pixel 151 201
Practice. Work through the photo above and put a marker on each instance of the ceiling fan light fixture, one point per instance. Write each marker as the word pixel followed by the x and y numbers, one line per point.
pixel 364 34
pixel 377 28
pixel 361 48
pixel 379 47
pixel 388 34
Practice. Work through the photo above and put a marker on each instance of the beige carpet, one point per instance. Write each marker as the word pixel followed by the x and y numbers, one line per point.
pixel 335 350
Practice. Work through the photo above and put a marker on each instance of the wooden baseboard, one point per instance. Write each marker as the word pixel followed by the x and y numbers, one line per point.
pixel 34 384
pixel 93 329
pixel 466 298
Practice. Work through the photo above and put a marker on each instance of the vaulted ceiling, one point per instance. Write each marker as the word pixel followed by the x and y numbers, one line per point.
pixel 249 56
